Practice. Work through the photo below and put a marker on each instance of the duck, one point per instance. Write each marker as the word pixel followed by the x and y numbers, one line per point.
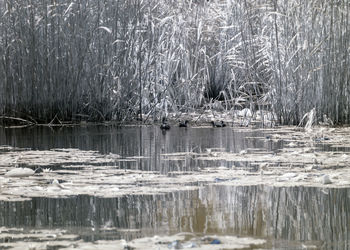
pixel 183 124
pixel 23 172
pixel 164 125
pixel 218 125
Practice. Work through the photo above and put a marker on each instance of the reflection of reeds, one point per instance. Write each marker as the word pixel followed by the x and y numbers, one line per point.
pixel 292 214
pixel 297 216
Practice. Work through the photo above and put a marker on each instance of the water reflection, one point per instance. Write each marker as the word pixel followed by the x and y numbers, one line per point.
pixel 148 142
pixel 291 214
pixel 296 214
pixel 129 141
pixel 287 217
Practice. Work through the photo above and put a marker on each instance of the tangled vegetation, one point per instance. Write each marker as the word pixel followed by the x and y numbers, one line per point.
pixel 118 60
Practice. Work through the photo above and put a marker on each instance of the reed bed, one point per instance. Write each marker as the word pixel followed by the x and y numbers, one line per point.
pixel 120 60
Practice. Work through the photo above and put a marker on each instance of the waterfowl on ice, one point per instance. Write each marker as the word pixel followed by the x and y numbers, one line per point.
pixel 183 124
pixel 23 172
pixel 218 124
pixel 164 125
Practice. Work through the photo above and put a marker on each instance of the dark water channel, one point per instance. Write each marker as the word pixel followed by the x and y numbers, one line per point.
pixel 288 218
pixel 148 142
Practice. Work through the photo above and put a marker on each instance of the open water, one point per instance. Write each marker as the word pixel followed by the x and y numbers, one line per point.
pixel 287 218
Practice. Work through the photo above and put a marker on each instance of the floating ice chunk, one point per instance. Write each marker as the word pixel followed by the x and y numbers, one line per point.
pixel 326 180
pixel 223 168
pixel 175 245
pixel 190 245
pixel 20 172
pixel 291 144
pixel 57 184
pixel 243 152
pixel 287 177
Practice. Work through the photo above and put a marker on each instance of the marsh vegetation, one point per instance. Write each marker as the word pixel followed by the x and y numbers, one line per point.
pixel 115 60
